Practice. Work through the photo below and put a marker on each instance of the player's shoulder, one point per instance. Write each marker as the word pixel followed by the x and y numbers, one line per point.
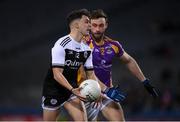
pixel 112 41
pixel 63 41
pixel 108 39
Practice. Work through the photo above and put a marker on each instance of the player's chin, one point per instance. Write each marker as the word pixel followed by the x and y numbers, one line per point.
pixel 97 36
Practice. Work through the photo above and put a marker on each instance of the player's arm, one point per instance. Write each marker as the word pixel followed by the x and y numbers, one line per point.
pixel 59 77
pixel 132 66
pixel 136 71
pixel 58 62
pixel 129 61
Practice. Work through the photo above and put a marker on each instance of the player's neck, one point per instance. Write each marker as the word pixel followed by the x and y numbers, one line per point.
pixel 76 36
pixel 99 42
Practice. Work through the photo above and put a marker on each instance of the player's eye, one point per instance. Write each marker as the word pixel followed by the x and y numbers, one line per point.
pixel 94 25
pixel 101 25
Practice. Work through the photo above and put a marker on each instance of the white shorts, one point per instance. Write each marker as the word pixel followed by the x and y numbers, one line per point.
pixel 92 113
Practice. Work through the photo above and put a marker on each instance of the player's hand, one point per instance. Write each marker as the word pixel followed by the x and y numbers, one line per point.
pixel 98 102
pixel 115 94
pixel 150 88
pixel 76 91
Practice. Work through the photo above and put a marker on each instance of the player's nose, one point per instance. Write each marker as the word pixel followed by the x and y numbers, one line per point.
pixel 97 29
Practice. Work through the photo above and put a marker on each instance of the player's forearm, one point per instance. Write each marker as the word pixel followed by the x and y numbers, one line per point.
pixel 58 76
pixel 135 69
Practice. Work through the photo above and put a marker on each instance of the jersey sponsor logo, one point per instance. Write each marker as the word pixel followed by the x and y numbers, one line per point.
pixel 65 41
pixel 104 65
pixel 103 62
pixel 73 63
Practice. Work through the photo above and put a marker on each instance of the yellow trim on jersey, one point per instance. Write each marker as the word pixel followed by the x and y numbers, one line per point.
pixel 91 45
pixel 81 75
pixel 115 48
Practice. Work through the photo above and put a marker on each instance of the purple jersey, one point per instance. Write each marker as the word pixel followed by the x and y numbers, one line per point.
pixel 103 56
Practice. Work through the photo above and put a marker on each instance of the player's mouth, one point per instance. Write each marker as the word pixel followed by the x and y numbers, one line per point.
pixel 98 34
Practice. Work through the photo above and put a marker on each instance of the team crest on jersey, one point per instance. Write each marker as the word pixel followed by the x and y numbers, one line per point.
pixel 85 54
pixel 108 50
pixel 53 101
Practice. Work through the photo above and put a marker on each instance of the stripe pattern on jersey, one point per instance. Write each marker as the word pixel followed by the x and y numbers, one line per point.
pixel 65 41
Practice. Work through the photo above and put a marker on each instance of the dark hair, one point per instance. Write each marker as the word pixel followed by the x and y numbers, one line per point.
pixel 95 14
pixel 77 14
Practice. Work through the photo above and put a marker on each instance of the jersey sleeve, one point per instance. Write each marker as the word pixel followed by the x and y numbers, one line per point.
pixel 118 48
pixel 58 56
pixel 88 64
pixel 121 50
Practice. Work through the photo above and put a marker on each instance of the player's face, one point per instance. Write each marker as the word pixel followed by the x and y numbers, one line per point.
pixel 84 25
pixel 98 27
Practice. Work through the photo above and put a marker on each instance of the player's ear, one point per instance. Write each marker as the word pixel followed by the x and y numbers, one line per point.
pixel 76 24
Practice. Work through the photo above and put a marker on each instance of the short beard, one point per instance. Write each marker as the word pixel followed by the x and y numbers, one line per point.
pixel 97 39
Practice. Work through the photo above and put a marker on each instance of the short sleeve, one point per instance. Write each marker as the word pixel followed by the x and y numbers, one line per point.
pixel 58 56
pixel 118 48
pixel 121 50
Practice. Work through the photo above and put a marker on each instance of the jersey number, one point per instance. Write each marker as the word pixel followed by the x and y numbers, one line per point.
pixel 77 55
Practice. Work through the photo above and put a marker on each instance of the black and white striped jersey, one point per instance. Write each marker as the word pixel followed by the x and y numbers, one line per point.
pixel 69 55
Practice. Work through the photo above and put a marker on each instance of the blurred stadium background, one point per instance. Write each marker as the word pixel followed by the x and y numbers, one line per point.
pixel 148 29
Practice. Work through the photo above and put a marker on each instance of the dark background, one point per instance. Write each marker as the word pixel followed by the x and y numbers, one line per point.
pixel 149 30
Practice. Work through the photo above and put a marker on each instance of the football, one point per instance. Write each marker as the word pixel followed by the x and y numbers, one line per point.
pixel 90 89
